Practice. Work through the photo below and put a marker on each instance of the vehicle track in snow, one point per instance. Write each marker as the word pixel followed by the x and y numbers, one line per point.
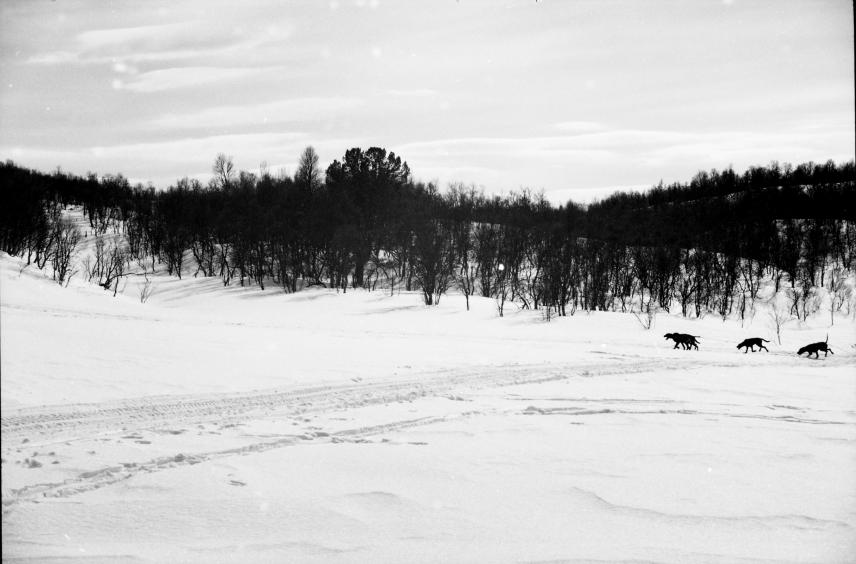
pixel 89 422
pixel 62 422
pixel 42 426
pixel 112 474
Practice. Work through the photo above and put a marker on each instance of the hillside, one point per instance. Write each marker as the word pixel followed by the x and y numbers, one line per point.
pixel 325 426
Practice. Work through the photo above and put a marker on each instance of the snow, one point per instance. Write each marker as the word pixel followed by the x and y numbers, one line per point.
pixel 215 424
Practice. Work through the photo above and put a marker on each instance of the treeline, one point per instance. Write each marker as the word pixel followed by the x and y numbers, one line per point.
pixel 704 246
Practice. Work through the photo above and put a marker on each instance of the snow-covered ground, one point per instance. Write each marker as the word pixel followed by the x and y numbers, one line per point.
pixel 215 424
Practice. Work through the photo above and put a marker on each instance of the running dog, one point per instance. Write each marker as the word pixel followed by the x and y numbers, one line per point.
pixel 752 343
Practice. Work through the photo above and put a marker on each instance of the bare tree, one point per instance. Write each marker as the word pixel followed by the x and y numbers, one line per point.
pixel 837 290
pixel 147 288
pixel 65 242
pixel 780 314
pixel 501 290
pixel 95 270
pixel 110 267
pixel 264 170
pixel 434 260
pixel 308 173
pixel 468 273
pixel 223 169
pixel 647 315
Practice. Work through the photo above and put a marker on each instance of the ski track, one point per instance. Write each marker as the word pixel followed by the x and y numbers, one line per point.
pixel 225 408
pixel 607 411
pixel 40 426
pixel 95 479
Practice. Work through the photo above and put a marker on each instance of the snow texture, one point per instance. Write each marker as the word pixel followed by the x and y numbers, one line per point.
pixel 215 424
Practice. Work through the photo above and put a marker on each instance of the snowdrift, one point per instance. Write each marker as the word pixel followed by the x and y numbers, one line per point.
pixel 234 425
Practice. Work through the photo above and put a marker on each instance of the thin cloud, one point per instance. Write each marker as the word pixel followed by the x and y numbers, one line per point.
pixel 413 93
pixel 628 142
pixel 178 157
pixel 186 77
pixel 579 126
pixel 248 146
pixel 299 109
pixel 137 37
pixel 164 42
pixel 503 163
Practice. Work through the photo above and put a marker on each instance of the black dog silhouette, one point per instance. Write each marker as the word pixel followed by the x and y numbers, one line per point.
pixel 690 341
pixel 752 343
pixel 814 348
pixel 686 341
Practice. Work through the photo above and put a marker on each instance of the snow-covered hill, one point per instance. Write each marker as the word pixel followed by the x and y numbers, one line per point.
pixel 236 425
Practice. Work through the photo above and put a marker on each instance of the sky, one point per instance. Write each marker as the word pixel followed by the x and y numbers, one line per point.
pixel 573 98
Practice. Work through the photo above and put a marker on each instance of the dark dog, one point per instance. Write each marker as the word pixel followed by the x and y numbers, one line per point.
pixel 690 341
pixel 815 347
pixel 676 337
pixel 752 343
pixel 686 341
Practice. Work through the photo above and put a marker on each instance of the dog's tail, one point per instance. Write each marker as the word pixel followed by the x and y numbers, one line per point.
pixel 765 340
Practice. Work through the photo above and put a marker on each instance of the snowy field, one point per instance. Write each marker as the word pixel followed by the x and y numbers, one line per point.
pixel 215 424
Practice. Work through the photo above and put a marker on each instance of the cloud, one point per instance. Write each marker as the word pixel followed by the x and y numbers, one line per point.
pixel 164 42
pixel 145 37
pixel 251 147
pixel 630 144
pixel 185 77
pixel 412 93
pixel 579 126
pixel 512 147
pixel 172 158
pixel 635 144
pixel 625 157
pixel 55 58
pixel 283 111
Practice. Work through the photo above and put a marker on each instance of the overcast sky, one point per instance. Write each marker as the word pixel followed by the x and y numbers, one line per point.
pixel 578 98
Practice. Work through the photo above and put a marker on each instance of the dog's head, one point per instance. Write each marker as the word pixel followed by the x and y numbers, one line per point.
pixel 802 350
pixel 669 336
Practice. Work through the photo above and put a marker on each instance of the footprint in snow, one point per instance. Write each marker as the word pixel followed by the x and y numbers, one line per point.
pixel 237 483
pixel 32 463
pixel 143 442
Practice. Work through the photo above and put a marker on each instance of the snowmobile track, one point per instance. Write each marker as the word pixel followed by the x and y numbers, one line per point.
pixel 68 421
